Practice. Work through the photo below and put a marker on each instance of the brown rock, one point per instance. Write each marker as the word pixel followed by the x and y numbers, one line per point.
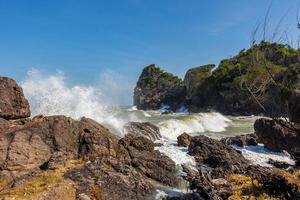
pixel 223 159
pixel 279 135
pixel 144 129
pixel 13 104
pixel 241 140
pixel 184 140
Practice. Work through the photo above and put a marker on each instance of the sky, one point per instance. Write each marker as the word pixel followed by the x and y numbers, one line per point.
pixel 89 40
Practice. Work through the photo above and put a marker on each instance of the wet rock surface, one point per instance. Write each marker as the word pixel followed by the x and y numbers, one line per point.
pixel 144 129
pixel 184 140
pixel 222 159
pixel 241 140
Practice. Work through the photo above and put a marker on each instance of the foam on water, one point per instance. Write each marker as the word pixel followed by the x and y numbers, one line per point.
pixel 258 155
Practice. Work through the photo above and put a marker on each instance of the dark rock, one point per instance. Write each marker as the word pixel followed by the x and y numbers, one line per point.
pixel 279 164
pixel 13 104
pixel 278 135
pixel 195 77
pixel 145 129
pixel 241 140
pixel 149 161
pixel 294 107
pixel 156 88
pixel 222 159
pixel 275 182
pixel 184 140
pixel 189 196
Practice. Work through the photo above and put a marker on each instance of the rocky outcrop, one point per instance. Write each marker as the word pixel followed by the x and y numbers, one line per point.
pixel 241 140
pixel 195 77
pixel 279 135
pixel 238 86
pixel 13 104
pixel 222 159
pixel 184 140
pixel 156 88
pixel 144 129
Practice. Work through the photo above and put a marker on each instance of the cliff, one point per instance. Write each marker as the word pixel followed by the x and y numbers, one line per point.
pixel 255 81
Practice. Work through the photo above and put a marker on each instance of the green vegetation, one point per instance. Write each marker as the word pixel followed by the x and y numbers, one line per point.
pixel 152 74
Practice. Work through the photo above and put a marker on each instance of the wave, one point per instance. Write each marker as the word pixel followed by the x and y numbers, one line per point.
pixel 194 123
pixel 50 95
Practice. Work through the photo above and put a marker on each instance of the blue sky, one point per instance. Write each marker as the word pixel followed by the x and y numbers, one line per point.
pixel 86 38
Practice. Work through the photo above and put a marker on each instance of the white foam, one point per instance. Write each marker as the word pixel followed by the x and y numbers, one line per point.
pixel 258 155
pixel 177 154
pixel 49 95
pixel 194 123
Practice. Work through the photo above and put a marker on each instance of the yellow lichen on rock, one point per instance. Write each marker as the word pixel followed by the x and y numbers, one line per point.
pixel 49 184
pixel 246 188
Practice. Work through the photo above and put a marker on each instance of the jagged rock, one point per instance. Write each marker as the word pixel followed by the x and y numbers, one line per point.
pixel 241 140
pixel 184 140
pixel 13 104
pixel 195 77
pixel 144 129
pixel 278 135
pixel 276 182
pixel 156 88
pixel 149 161
pixel 222 159
pixel 279 164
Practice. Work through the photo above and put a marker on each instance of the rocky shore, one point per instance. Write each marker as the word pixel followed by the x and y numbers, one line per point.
pixel 57 157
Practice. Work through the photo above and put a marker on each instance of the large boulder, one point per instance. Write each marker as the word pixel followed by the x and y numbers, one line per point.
pixel 145 129
pixel 156 88
pixel 222 159
pixel 13 104
pixel 279 135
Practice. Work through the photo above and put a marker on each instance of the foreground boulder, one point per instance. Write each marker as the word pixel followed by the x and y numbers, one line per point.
pixel 144 129
pixel 156 88
pixel 279 135
pixel 13 104
pixel 222 159
pixel 125 167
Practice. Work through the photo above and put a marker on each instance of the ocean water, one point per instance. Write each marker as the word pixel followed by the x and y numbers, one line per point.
pixel 50 95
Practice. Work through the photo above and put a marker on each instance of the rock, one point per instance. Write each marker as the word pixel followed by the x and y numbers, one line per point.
pixel 241 140
pixel 145 129
pixel 195 77
pixel 184 140
pixel 279 164
pixel 156 88
pixel 189 196
pixel 149 161
pixel 276 182
pixel 278 135
pixel 13 104
pixel 222 159
pixel 109 180
pixel 223 187
pixel 48 142
pixel 294 107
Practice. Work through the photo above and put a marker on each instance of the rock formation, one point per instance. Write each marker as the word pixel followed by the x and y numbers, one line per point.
pixel 156 88
pixel 13 104
pixel 238 86
pixel 57 157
